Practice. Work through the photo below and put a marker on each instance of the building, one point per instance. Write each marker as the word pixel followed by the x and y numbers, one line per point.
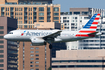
pixel 8 49
pixel 33 57
pixel 86 11
pixel 29 11
pixel 79 60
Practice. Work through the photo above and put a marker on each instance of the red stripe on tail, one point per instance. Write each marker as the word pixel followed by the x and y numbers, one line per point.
pixel 87 31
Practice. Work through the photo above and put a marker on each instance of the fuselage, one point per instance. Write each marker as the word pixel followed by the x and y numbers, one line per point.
pixel 27 35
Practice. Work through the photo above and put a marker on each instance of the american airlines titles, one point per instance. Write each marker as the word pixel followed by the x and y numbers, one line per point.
pixel 38 33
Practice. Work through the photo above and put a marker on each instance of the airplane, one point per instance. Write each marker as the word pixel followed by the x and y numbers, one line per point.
pixel 41 37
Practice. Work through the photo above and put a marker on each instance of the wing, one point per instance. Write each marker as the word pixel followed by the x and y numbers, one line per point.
pixel 50 38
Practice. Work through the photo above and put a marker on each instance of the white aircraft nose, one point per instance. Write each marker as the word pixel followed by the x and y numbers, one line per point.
pixel 5 37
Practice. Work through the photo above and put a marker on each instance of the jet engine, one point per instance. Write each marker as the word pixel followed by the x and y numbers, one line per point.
pixel 37 42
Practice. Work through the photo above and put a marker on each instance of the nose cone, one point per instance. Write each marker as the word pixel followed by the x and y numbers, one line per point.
pixel 5 37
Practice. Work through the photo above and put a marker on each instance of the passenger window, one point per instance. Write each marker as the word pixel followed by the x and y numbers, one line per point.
pixel 10 33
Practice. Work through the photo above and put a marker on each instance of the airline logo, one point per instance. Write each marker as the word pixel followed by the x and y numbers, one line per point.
pixel 90 27
pixel 23 33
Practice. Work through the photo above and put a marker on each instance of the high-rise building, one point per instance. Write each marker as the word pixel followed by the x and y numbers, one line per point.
pixel 79 60
pixel 33 57
pixel 29 11
pixel 8 49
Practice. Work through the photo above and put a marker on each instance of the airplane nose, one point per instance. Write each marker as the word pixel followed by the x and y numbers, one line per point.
pixel 5 37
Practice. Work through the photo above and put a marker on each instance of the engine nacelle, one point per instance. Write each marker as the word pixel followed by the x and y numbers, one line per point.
pixel 37 42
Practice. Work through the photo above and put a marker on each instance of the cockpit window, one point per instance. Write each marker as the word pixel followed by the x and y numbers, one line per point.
pixel 10 33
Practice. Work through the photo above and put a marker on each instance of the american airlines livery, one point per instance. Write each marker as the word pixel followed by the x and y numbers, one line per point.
pixel 41 37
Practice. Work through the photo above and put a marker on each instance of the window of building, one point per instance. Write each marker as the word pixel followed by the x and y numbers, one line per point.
pixel 36 65
pixel 64 21
pixel 1 37
pixel 37 58
pixel 30 9
pixel 11 9
pixel 31 51
pixel 56 21
pixel 1 65
pixel 2 9
pixel 1 56
pixel 34 13
pixel 36 51
pixel 41 8
pixel 37 48
pixel 64 17
pixel 56 14
pixel 80 20
pixel 31 62
pixel 70 13
pixel 31 58
pixel 1 46
pixel 41 14
pixel 86 17
pixel 72 20
pixel 48 14
pixel 37 55
pixel 2 14
pixel 1 41
pixel 36 62
pixel 31 65
pixel 20 9
pixel 75 17
pixel 56 18
pixel 76 13
pixel 41 18
pixel 25 14
pixel 31 55
pixel 25 26
pixel 1 60
pixel 32 48
pixel 48 9
pixel 48 18
pixel 56 8
pixel 1 27
pixel 84 13
pixel 25 9
pixel 67 21
pixel 31 69
pixel 1 32
pixel 34 9
pixel 30 13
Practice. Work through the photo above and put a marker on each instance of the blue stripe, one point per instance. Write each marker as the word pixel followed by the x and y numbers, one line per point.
pixel 88 24
pixel 24 31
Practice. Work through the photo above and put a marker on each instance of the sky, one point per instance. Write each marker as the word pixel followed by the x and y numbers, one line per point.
pixel 67 4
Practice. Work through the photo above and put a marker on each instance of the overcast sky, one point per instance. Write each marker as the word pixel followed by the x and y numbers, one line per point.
pixel 67 4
